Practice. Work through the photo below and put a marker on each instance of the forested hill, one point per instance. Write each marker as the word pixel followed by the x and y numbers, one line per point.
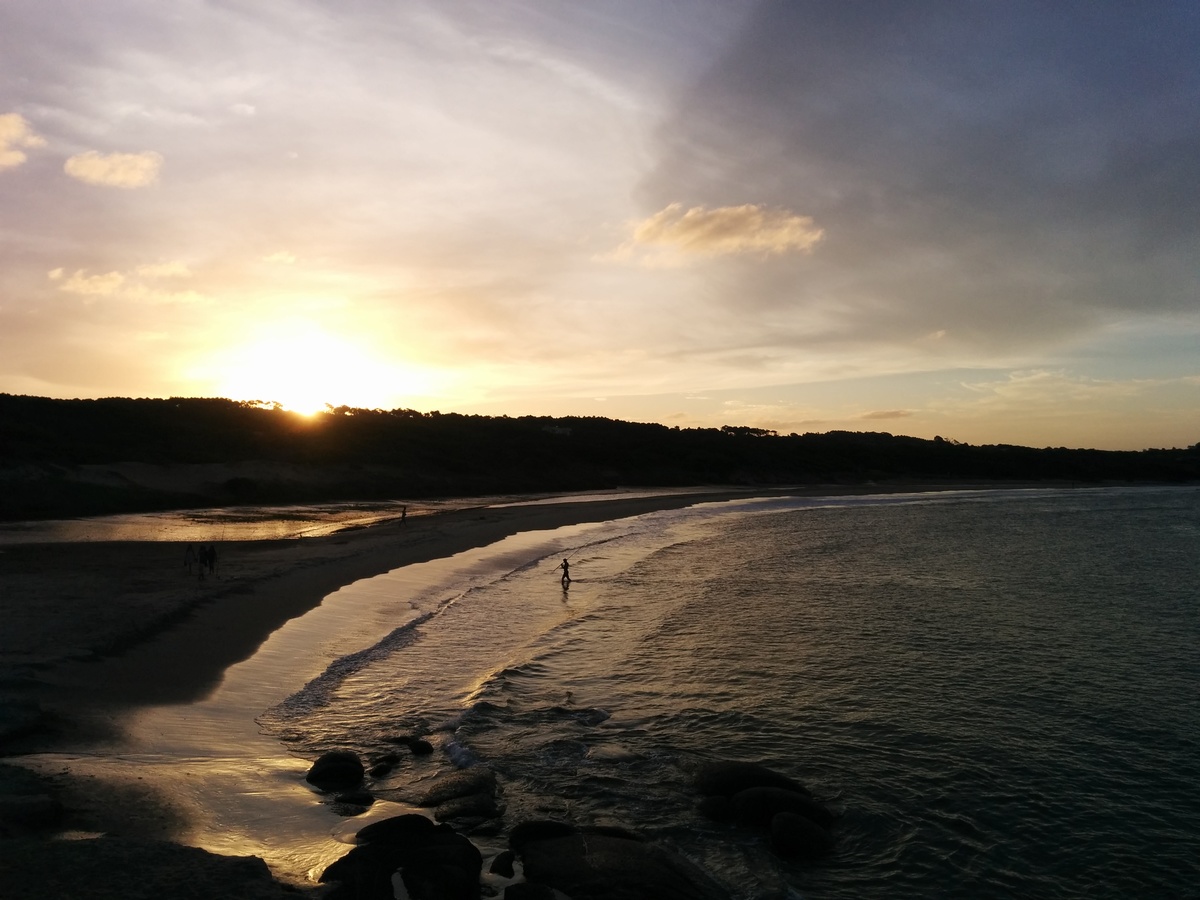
pixel 75 456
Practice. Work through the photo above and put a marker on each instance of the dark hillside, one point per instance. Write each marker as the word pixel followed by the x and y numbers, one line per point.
pixel 60 457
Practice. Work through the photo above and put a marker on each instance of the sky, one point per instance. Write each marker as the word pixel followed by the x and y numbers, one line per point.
pixel 976 220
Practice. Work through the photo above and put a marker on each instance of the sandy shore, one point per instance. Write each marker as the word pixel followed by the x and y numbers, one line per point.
pixel 94 630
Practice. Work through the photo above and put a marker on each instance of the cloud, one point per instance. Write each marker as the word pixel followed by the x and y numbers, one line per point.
pixel 89 285
pixel 16 132
pixel 173 269
pixel 724 231
pixel 129 286
pixel 122 170
pixel 887 414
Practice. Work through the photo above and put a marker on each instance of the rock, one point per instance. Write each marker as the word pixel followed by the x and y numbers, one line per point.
pixel 476 780
pixel 380 769
pixel 355 798
pixel 794 836
pixel 481 806
pixel 397 829
pixel 538 830
pixel 335 771
pixel 503 864
pixel 420 747
pixel 757 806
pixel 728 778
pixel 365 873
pixel 439 881
pixel 434 861
pixel 600 867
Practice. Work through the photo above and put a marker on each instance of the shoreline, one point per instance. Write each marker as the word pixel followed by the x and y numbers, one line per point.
pixel 160 637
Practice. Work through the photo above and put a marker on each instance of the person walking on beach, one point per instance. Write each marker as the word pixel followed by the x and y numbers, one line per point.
pixel 566 572
pixel 404 515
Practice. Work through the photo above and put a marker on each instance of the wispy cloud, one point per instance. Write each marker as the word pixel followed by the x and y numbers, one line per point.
pixel 138 285
pixel 16 133
pixel 722 231
pixel 120 170
pixel 887 414
pixel 91 285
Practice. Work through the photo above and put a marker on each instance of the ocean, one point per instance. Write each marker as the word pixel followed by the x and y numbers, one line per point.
pixel 997 691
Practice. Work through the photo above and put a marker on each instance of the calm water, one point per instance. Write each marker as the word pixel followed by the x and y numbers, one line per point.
pixel 1000 691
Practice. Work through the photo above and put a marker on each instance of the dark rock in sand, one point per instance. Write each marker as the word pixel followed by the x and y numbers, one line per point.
pixel 795 836
pixel 728 778
pixel 757 806
pixel 397 829
pixel 380 769
pixel 476 780
pixel 599 867
pixel 503 864
pixel 420 747
pixel 434 861
pixel 365 873
pixel 336 770
pixel 355 798
pixel 538 830
pixel 438 881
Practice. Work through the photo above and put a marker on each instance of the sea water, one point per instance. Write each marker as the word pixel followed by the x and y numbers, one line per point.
pixel 998 691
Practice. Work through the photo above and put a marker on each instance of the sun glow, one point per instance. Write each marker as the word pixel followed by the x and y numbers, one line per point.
pixel 306 370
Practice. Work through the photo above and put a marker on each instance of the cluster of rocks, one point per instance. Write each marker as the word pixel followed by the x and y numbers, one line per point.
pixel 756 797
pixel 412 858
pixel 468 798
pixel 419 857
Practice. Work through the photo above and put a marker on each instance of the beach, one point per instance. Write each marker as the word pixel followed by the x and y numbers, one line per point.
pixel 94 631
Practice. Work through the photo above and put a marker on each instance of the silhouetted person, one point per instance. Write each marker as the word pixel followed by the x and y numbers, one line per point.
pixel 189 558
pixel 404 515
pixel 566 570
pixel 202 560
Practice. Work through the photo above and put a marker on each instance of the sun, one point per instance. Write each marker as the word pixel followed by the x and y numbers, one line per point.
pixel 307 370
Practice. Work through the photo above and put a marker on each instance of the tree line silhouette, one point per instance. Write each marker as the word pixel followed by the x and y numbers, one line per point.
pixel 365 454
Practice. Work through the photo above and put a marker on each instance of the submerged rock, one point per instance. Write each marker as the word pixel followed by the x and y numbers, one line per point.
pixel 476 780
pixel 728 778
pixel 795 836
pixel 759 805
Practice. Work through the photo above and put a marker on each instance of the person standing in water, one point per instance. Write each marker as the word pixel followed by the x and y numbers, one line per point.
pixel 566 570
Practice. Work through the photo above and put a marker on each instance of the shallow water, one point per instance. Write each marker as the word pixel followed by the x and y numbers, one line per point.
pixel 996 690
pixel 262 523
